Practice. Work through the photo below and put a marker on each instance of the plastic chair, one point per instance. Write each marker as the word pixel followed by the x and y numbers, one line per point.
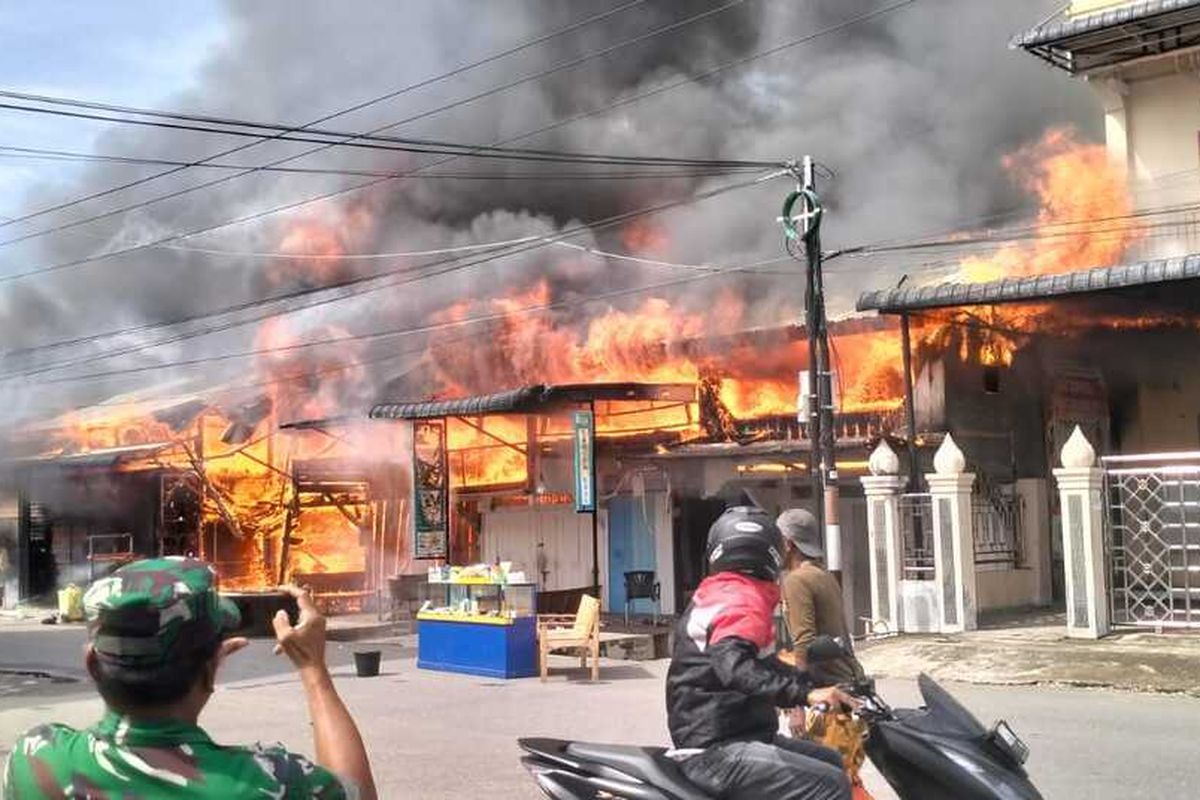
pixel 640 585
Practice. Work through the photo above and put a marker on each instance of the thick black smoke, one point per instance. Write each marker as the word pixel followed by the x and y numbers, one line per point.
pixel 912 110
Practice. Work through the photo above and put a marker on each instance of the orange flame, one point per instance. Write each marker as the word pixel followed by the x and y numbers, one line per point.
pixel 1083 221
pixel 1083 211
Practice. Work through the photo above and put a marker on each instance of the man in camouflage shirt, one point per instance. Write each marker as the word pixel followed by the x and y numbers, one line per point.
pixel 157 631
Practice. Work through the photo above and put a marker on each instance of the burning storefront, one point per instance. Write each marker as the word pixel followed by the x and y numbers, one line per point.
pixel 228 474
pixel 671 456
pixel 212 478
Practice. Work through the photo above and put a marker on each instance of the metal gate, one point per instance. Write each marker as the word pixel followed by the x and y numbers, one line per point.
pixel 1152 539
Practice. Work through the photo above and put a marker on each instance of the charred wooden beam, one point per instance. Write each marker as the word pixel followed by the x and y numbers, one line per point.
pixel 226 516
pixel 715 418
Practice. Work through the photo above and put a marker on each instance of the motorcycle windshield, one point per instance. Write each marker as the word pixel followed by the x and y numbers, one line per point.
pixel 950 715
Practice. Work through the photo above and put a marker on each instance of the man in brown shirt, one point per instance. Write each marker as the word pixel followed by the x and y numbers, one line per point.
pixel 812 598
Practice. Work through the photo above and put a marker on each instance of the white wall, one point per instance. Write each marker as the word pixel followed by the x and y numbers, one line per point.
pixel 664 548
pixel 1152 125
pixel 513 534
pixel 1168 413
pixel 1005 588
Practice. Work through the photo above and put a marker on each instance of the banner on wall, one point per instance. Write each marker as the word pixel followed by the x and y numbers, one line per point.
pixel 431 490
pixel 585 461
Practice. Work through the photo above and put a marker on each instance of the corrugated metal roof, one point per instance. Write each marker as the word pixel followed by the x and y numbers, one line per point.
pixel 98 458
pixel 1015 290
pixel 1060 26
pixel 530 399
pixel 1110 37
pixel 512 401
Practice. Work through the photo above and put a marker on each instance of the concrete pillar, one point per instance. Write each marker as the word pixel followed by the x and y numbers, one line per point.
pixel 882 488
pixel 1080 488
pixel 1114 94
pixel 950 488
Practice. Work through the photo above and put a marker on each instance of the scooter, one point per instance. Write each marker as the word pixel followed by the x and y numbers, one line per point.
pixel 936 752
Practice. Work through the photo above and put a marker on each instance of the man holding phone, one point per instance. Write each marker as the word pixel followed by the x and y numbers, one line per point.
pixel 157 632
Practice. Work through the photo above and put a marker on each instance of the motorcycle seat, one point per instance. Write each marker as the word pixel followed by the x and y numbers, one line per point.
pixel 649 764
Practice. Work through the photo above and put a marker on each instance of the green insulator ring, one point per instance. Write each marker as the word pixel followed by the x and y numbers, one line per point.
pixel 813 207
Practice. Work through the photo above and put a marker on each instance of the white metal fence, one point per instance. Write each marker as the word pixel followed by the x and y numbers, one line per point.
pixel 1152 539
pixel 996 526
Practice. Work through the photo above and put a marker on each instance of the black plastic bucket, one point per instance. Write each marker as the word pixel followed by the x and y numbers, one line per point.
pixel 366 663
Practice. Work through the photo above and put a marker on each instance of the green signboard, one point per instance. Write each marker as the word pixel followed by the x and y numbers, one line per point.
pixel 585 461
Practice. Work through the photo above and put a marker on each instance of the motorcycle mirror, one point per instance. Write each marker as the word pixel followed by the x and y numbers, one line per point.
pixel 824 648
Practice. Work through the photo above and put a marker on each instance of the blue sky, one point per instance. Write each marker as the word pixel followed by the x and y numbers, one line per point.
pixel 135 52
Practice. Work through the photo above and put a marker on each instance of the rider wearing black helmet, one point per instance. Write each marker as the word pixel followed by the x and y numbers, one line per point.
pixel 725 683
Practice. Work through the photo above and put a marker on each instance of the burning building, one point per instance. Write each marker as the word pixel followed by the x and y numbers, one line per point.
pixel 313 490
pixel 209 477
pixel 670 455
pixel 1084 319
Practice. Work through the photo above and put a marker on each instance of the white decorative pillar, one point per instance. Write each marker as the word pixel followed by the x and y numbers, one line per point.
pixel 1080 488
pixel 882 488
pixel 950 488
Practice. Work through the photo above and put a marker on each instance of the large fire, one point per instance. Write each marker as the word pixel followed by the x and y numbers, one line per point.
pixel 1084 220
pixel 252 476
pixel 1083 217
pixel 656 343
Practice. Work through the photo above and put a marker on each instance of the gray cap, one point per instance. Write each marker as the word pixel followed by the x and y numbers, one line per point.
pixel 800 528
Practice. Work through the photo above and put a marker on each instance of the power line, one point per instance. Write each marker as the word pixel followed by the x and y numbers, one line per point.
pixel 455 150
pixel 731 64
pixel 358 285
pixel 326 145
pixel 408 145
pixel 350 109
pixel 10 151
pixel 707 274
pixel 357 139
pixel 1034 231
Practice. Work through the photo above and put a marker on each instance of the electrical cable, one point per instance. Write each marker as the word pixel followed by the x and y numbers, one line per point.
pixel 731 64
pixel 326 145
pixel 247 305
pixel 417 146
pixel 356 284
pixel 356 107
pixel 436 326
pixel 403 144
pixel 9 151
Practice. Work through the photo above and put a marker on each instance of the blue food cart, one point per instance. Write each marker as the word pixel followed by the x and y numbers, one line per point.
pixel 479 627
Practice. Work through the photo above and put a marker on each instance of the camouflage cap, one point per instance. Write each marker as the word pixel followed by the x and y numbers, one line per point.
pixel 150 611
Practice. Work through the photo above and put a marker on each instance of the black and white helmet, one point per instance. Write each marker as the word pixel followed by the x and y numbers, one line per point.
pixel 745 539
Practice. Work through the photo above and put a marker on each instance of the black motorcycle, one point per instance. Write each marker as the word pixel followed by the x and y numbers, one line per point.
pixel 937 752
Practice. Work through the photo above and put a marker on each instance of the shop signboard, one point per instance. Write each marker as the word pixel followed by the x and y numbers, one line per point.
pixel 431 490
pixel 585 461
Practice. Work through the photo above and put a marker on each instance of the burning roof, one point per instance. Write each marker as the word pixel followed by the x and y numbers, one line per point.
pixel 1038 287
pixel 540 398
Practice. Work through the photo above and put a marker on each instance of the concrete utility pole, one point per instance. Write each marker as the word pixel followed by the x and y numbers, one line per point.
pixel 821 434
pixel 823 373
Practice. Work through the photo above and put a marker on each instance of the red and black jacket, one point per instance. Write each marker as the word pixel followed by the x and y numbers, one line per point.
pixel 724 682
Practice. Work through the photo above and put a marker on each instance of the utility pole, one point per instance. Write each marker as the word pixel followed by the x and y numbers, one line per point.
pixel 821 433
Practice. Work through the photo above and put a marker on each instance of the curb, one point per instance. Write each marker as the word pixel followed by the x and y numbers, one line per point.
pixel 383 630
pixel 55 676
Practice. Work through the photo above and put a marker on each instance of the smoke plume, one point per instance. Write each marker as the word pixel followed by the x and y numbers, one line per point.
pixel 911 110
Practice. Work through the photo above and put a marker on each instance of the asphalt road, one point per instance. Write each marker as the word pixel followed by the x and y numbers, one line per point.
pixel 434 735
pixel 58 651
